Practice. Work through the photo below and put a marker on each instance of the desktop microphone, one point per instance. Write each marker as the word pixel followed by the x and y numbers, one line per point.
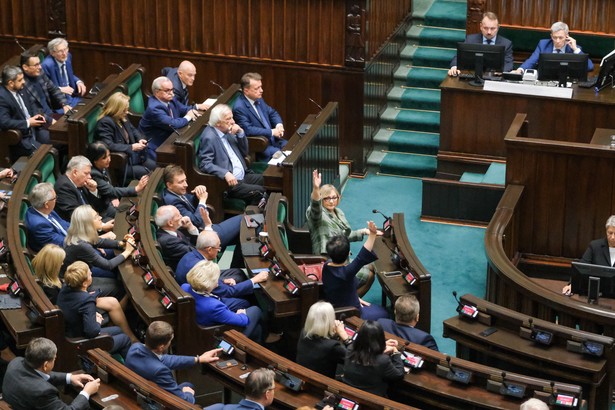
pixel 217 85
pixel 175 130
pixel 116 65
pixel 20 46
pixel 375 211
pixel 315 103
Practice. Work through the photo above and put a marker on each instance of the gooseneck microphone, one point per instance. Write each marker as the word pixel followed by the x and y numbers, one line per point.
pixel 217 85
pixel 375 211
pixel 315 103
pixel 116 65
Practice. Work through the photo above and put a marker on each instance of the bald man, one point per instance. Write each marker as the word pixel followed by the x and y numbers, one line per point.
pixel 182 78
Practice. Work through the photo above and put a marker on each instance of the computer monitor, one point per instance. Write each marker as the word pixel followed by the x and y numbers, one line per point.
pixel 581 273
pixel 480 58
pixel 607 72
pixel 562 67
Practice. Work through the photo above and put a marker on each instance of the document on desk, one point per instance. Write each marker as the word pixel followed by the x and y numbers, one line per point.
pixel 279 158
pixel 527 89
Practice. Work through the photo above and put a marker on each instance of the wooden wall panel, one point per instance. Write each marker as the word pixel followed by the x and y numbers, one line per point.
pixel 384 11
pixel 26 18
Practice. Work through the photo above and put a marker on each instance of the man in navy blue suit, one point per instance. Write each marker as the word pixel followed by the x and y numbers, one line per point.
pixel 183 77
pixel 16 113
pixel 43 223
pixel 152 362
pixel 253 114
pixel 407 310
pixel 259 389
pixel 489 27
pixel 164 115
pixel 560 42
pixel 58 66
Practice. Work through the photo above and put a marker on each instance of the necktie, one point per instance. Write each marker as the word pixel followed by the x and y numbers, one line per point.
pixel 261 114
pixel 83 201
pixel 558 50
pixel 22 106
pixel 56 224
pixel 185 200
pixel 170 110
pixel 489 41
pixel 64 75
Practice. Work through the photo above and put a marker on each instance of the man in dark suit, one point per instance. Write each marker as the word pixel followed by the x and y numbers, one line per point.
pixel 489 27
pixel 43 223
pixel 164 115
pixel 221 151
pixel 602 251
pixel 58 65
pixel 174 244
pixel 183 77
pixel 257 118
pixel 560 42
pixel 16 112
pixel 151 361
pixel 30 382
pixel 406 317
pixel 76 187
pixel 259 389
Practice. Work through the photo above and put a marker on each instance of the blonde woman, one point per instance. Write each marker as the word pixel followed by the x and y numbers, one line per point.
pixel 323 341
pixel 117 132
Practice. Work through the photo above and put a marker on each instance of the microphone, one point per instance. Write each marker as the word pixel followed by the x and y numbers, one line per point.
pixel 375 211
pixel 315 103
pixel 468 311
pixel 217 85
pixel 175 130
pixel 254 221
pixel 530 321
pixel 20 46
pixel 116 65
pixel 95 89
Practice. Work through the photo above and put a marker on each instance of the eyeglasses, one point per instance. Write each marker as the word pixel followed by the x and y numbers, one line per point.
pixel 52 199
pixel 167 91
pixel 34 65
pixel 215 247
pixel 331 198
pixel 61 51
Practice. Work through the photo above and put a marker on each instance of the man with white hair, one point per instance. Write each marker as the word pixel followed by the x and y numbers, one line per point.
pixel 560 42
pixel 223 146
pixel 58 66
pixel 43 223
pixel 534 404
pixel 164 115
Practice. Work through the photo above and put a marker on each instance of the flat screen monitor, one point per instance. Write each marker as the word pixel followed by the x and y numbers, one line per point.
pixel 480 58
pixel 562 67
pixel 607 72
pixel 581 272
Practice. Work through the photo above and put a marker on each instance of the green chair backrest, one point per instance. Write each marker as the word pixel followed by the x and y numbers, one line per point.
pixel 47 167
pixel 133 85
pixel 282 212
pixel 23 208
pixel 31 183
pixel 231 102
pixel 154 228
pixel 29 262
pixel 92 119
pixel 23 237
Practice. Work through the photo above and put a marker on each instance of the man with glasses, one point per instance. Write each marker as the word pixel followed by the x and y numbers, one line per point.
pixel 43 223
pixel 259 389
pixel 164 115
pixel 58 65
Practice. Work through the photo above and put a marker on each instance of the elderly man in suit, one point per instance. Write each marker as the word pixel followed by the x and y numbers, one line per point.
pixel 58 66
pixel 174 243
pixel 164 115
pixel 223 146
pixel 151 360
pixel 30 382
pixel 489 27
pixel 257 118
pixel 43 223
pixel 560 42
pixel 183 77
pixel 406 317
pixel 259 389
pixel 16 113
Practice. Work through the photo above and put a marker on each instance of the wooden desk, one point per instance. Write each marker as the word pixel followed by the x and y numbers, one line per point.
pixel 473 122
pixel 602 136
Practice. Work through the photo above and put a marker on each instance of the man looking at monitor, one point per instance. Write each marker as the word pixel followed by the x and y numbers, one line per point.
pixel 560 42
pixel 600 251
pixel 489 27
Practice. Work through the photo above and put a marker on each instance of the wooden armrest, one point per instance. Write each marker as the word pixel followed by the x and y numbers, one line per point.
pixel 134 119
pixel 346 311
pixel 10 137
pixel 257 143
pixel 118 160
pixel 82 345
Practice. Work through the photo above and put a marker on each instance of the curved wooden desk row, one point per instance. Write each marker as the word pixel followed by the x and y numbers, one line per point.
pixel 255 356
pixel 50 322
pixel 512 348
pixel 428 387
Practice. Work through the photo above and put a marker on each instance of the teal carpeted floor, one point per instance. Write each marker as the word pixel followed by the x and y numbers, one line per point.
pixel 453 255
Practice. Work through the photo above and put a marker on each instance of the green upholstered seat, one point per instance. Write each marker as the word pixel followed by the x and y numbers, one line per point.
pixel 23 237
pixel 47 168
pixel 31 183
pixel 23 208
pixel 282 213
pixel 92 120
pixel 133 85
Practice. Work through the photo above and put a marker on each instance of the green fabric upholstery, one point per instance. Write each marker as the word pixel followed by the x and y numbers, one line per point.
pixel 47 167
pixel 23 208
pixel 282 214
pixel 23 238
pixel 133 85
pixel 92 119
pixel 231 102
pixel 31 183
pixel 154 228
pixel 29 262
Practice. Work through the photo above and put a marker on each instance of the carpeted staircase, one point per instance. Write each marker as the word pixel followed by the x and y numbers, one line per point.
pixel 408 139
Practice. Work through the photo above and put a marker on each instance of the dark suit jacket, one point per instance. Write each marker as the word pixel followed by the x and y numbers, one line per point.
pixel 374 379
pixel 13 118
pixel 79 310
pixel 213 158
pixel 51 98
pixel 109 132
pixel 183 208
pixel 174 247
pixel 246 117
pixel 146 364
pixel 546 46
pixel 69 198
pixel 106 191
pixel 242 405
pixel 499 41
pixel 88 253
pixel 25 389
pixel 597 253
pixel 41 231
pixel 409 333
pixel 157 124
pixel 319 354
pixel 180 93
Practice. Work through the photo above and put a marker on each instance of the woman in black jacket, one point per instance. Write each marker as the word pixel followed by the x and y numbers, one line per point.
pixel 371 363
pixel 323 341
pixel 114 129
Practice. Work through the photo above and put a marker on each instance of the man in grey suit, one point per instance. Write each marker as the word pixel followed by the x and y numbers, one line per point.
pixel 489 27
pixel 259 389
pixel 30 382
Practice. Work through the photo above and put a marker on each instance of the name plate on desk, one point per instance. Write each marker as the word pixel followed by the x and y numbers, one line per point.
pixel 527 89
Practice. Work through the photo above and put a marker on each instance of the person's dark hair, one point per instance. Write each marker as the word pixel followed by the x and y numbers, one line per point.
pixel 258 382
pixel 95 151
pixel 368 344
pixel 25 57
pixel 338 248
pixel 39 351
pixel 10 73
pixel 245 79
pixel 158 333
